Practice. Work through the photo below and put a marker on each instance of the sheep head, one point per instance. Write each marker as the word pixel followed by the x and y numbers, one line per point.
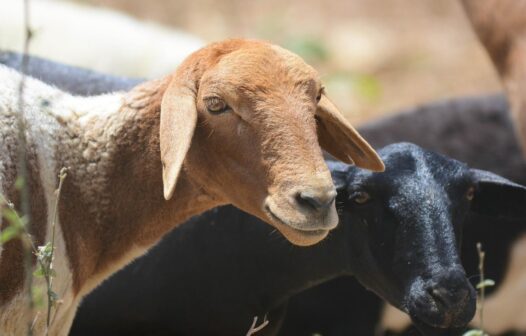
pixel 246 120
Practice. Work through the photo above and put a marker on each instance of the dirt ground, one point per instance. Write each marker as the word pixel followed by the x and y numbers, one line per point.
pixel 376 56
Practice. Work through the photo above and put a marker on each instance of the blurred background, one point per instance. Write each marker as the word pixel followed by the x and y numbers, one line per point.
pixel 375 56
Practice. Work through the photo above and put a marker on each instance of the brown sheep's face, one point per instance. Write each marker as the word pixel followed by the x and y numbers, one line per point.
pixel 255 143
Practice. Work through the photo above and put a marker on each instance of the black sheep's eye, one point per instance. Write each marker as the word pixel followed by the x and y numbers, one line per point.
pixel 470 193
pixel 216 105
pixel 360 197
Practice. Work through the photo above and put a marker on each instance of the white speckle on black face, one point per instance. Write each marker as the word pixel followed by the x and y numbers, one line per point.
pixel 422 201
pixel 411 218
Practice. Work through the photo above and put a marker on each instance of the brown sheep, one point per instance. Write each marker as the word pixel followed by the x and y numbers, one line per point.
pixel 501 27
pixel 238 122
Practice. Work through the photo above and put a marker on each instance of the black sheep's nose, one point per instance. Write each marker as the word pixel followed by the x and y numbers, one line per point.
pixel 316 199
pixel 448 298
pixel 451 290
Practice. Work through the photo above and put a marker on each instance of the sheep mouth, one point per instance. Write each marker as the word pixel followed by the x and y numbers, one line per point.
pixel 429 330
pixel 282 224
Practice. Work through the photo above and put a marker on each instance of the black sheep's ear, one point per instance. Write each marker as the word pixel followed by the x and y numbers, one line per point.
pixel 496 196
pixel 339 172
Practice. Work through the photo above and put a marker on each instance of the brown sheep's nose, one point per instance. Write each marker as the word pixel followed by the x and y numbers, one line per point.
pixel 316 199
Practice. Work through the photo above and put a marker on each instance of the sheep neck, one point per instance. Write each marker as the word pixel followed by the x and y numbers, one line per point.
pixel 292 269
pixel 117 211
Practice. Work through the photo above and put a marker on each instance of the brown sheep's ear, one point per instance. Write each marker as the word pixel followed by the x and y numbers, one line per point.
pixel 178 121
pixel 341 140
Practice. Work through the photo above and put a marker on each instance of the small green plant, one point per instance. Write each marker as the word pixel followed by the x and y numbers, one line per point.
pixel 19 222
pixel 46 252
pixel 17 225
pixel 17 229
pixel 481 287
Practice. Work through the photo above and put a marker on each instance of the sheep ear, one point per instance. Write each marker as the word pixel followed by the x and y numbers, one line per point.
pixel 339 172
pixel 178 121
pixel 341 140
pixel 496 196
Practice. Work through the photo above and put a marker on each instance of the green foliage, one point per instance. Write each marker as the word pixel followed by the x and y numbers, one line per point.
pixel 474 332
pixel 9 233
pixel 367 87
pixel 44 254
pixel 364 86
pixel 19 183
pixel 16 225
pixel 486 283
pixel 311 49
pixel 38 295
pixel 12 217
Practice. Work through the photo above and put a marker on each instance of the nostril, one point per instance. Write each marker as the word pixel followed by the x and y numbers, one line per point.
pixel 439 295
pixel 447 298
pixel 316 201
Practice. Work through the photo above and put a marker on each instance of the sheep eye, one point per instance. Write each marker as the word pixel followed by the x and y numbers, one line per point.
pixel 216 105
pixel 470 194
pixel 318 97
pixel 360 197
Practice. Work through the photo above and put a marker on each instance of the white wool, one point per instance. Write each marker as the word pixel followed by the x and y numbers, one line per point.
pixel 95 38
pixel 45 128
pixel 65 106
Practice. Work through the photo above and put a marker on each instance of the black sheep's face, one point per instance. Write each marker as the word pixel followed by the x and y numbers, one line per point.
pixel 405 229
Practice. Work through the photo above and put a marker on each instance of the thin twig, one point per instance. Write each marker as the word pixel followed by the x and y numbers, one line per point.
pixel 48 273
pixel 22 166
pixel 253 329
pixel 482 255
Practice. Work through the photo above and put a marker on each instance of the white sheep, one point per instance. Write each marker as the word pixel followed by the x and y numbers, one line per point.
pixel 84 36
pixel 239 122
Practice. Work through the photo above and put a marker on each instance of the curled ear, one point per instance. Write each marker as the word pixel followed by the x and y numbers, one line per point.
pixel 341 140
pixel 178 121
pixel 496 196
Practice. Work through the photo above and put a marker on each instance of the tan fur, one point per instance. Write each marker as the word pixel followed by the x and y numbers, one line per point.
pixel 501 27
pixel 257 156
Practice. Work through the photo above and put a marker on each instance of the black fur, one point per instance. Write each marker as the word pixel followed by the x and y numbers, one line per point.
pixel 215 273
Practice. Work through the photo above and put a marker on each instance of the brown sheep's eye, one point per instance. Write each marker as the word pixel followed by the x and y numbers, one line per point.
pixel 318 97
pixel 216 105
pixel 470 194
pixel 360 197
